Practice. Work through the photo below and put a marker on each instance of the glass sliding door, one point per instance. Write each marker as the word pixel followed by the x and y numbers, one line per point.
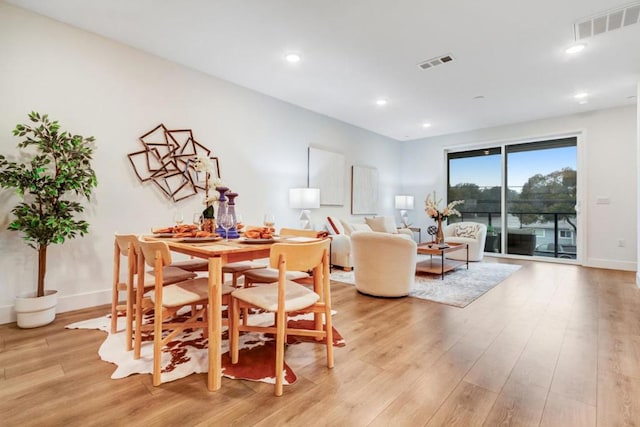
pixel 541 198
pixel 527 190
pixel 476 177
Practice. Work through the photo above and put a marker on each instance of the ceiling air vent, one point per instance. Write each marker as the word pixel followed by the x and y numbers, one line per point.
pixel 607 21
pixel 434 62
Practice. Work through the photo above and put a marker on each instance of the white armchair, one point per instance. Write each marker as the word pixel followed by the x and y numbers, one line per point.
pixel 384 263
pixel 340 231
pixel 472 233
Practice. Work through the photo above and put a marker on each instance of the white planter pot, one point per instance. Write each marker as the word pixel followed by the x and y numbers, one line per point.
pixel 35 311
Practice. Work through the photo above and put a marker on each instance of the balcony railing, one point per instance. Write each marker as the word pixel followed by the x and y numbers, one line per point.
pixel 528 239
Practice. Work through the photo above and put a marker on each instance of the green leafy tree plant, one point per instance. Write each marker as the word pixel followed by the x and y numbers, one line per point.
pixel 58 172
pixel 551 194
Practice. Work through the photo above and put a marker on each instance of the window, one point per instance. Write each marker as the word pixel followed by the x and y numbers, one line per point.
pixel 565 234
pixel 528 189
pixel 475 177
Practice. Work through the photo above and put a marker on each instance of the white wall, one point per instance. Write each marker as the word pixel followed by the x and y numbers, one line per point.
pixel 95 86
pixel 638 177
pixel 607 167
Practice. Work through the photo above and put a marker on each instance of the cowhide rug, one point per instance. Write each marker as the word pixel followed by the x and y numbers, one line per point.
pixel 188 353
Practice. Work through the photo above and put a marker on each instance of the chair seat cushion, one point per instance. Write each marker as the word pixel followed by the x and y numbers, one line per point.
pixel 297 296
pixel 169 275
pixel 236 267
pixel 466 240
pixel 188 292
pixel 192 264
pixel 270 275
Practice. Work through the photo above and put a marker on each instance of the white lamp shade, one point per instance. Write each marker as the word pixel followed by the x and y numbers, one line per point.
pixel 304 198
pixel 404 202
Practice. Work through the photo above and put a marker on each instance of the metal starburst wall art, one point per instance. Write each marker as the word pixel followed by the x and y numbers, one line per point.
pixel 174 161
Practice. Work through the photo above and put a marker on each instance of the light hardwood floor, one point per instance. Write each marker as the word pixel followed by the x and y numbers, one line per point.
pixel 553 345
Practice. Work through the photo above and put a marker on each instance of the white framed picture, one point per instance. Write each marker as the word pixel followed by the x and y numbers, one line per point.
pixel 326 172
pixel 364 190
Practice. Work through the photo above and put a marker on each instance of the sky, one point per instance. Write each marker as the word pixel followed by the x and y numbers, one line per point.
pixel 485 171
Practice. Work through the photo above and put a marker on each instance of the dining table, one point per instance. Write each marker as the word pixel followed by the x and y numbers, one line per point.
pixel 219 253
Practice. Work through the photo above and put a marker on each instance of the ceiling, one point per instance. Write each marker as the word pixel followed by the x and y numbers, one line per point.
pixel 509 53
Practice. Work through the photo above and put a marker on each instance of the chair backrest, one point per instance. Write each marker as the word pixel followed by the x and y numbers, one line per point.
pixel 123 241
pixel 149 249
pixel 300 256
pixel 298 232
pixel 384 263
pixel 123 244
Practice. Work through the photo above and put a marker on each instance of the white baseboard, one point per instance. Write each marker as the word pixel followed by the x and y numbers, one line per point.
pixel 65 303
pixel 611 264
pixel 7 315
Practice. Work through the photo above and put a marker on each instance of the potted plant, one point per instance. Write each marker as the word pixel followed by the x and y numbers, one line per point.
pixel 492 242
pixel 57 171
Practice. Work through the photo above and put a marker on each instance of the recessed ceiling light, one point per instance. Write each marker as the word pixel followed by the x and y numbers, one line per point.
pixel 293 57
pixel 426 125
pixel 381 102
pixel 575 48
pixel 582 101
pixel 581 95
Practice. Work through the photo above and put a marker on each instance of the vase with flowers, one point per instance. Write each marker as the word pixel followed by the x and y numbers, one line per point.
pixel 432 208
pixel 204 165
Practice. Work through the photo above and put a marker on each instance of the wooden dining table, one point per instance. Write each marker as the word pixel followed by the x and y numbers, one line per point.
pixel 218 253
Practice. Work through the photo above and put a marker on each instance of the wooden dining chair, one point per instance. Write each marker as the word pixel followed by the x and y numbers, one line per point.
pixel 285 297
pixel 126 245
pixel 192 264
pixel 238 269
pixel 168 301
pixel 270 275
pixel 284 232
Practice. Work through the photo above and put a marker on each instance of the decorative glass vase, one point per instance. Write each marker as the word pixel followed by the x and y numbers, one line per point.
pixel 209 220
pixel 222 209
pixel 231 209
pixel 439 233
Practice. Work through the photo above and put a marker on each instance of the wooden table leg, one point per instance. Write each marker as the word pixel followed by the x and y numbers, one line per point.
pixel 214 378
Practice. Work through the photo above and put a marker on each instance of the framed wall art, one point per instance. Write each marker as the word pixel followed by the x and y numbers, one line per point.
pixel 326 172
pixel 364 190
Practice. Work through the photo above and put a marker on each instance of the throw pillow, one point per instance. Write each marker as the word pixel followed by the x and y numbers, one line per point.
pixel 469 231
pixel 347 227
pixel 384 224
pixel 350 227
pixel 360 227
pixel 334 226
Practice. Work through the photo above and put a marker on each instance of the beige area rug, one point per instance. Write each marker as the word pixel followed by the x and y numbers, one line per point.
pixel 188 354
pixel 459 287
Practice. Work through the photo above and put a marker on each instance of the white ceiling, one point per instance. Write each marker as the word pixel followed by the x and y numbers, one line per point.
pixel 355 51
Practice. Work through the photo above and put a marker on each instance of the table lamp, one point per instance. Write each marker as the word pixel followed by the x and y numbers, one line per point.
pixel 305 199
pixel 404 203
